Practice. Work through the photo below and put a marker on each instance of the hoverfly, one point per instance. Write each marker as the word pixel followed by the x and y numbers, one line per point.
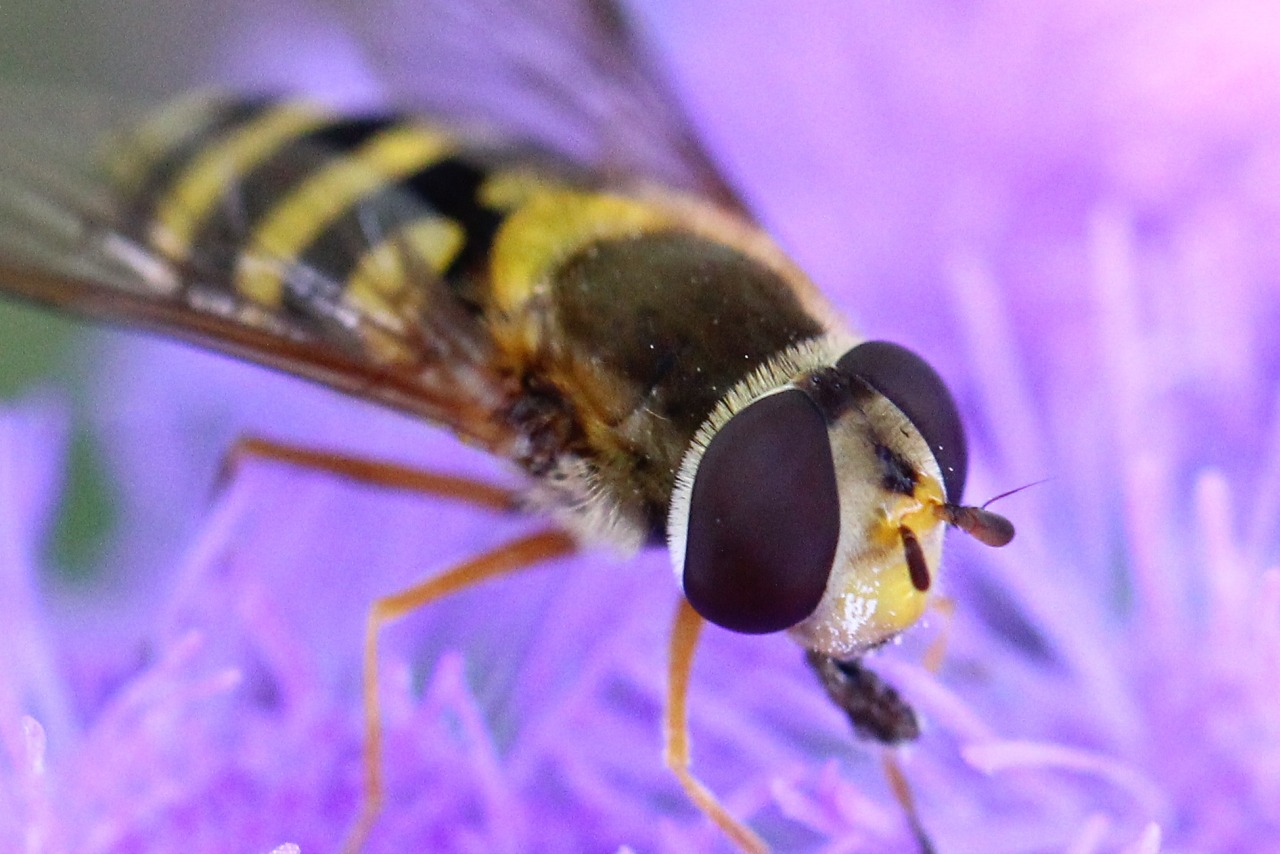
pixel 641 352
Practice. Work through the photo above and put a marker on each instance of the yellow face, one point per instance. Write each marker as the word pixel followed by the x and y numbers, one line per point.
pixel 871 595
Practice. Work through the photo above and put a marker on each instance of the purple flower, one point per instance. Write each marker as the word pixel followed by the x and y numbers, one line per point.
pixel 1071 210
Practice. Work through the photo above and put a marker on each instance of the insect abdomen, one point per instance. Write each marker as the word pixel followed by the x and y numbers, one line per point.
pixel 327 220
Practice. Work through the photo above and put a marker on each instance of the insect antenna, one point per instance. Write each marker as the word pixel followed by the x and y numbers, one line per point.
pixel 984 526
pixel 1014 491
pixel 980 523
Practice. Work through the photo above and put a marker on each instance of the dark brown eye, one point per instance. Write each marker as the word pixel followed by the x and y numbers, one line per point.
pixel 764 517
pixel 916 389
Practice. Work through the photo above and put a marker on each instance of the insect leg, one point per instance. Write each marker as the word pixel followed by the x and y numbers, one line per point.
pixel 937 648
pixel 879 713
pixel 519 554
pixel 902 794
pixel 373 472
pixel 684 640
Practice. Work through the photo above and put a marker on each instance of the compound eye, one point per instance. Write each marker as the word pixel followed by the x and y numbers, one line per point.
pixel 764 517
pixel 917 390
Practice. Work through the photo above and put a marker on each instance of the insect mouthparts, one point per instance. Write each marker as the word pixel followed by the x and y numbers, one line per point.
pixel 917 566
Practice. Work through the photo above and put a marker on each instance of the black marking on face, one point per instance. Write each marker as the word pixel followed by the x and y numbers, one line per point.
pixel 900 477
pixel 917 390
pixel 764 517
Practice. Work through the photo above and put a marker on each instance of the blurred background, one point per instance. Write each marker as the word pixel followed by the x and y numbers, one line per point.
pixel 1070 208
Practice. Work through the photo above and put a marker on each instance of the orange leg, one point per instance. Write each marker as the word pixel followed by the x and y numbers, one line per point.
pixel 373 472
pixel 898 784
pixel 902 794
pixel 937 649
pixel 523 553
pixel 684 640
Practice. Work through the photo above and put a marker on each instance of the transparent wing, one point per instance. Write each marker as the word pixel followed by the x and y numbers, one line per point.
pixel 570 75
pixel 65 242
pixel 566 75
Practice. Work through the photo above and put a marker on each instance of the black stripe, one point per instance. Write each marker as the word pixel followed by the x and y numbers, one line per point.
pixel 448 188
pixel 452 187
pixel 246 203
pixel 161 174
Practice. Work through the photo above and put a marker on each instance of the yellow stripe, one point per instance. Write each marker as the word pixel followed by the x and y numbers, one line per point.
pixel 550 227
pixel 510 188
pixel 294 224
pixel 382 284
pixel 186 207
pixel 134 153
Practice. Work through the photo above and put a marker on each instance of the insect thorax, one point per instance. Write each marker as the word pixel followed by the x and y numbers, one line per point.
pixel 643 335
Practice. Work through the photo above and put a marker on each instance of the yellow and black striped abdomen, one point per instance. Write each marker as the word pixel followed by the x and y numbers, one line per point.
pixel 334 222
